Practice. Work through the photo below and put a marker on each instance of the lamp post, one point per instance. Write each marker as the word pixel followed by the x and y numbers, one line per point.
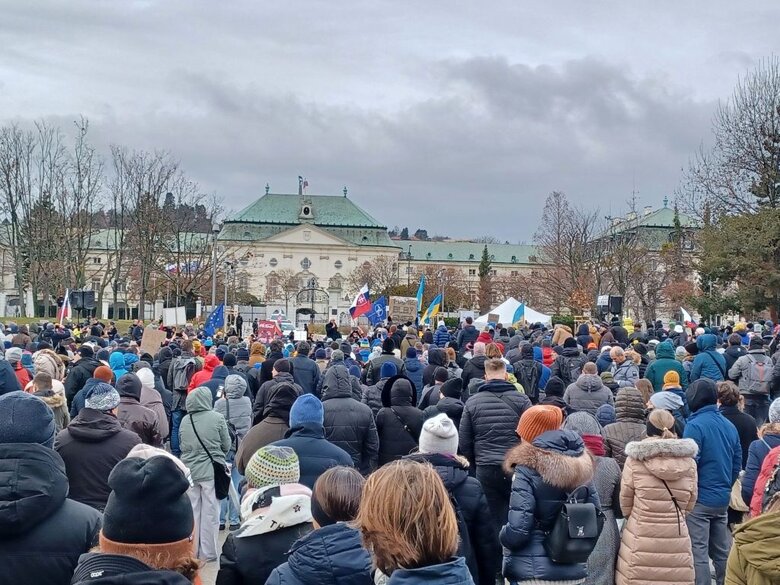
pixel 440 276
pixel 215 233
pixel 409 266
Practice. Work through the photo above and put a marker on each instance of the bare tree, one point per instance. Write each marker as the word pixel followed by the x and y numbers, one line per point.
pixel 380 274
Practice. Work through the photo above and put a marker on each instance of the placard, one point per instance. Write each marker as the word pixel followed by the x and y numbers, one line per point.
pixel 403 309
pixel 152 341
pixel 173 316
pixel 493 319
pixel 299 335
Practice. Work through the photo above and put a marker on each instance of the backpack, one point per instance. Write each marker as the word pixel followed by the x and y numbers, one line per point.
pixel 758 374
pixel 767 476
pixel 529 377
pixel 575 532
pixel 570 369
pixel 183 369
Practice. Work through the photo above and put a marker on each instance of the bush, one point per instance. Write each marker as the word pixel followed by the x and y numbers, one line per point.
pixel 563 320
pixel 452 322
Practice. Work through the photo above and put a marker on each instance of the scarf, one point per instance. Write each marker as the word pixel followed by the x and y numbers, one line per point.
pixel 595 444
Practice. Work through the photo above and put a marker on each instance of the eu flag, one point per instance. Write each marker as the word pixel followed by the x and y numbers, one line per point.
pixel 216 320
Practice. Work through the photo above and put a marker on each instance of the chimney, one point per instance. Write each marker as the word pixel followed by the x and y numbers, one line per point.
pixel 616 221
pixel 648 210
pixel 631 216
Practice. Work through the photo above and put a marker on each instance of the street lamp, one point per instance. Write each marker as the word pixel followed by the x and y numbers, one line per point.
pixel 215 233
pixel 409 267
pixel 440 277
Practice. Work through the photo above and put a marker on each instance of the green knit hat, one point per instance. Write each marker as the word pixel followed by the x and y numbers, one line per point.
pixel 271 466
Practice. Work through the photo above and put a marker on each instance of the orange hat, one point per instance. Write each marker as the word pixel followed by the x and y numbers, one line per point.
pixel 104 374
pixel 671 379
pixel 539 419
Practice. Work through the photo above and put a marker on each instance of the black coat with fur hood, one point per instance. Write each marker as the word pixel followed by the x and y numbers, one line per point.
pixel 546 471
pixel 399 422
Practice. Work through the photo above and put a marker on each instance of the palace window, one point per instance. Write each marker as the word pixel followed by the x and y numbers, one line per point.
pixel 273 262
pixel 338 264
pixel 305 263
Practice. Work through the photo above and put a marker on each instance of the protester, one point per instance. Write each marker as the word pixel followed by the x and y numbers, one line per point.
pixel 134 417
pixel 152 399
pixel 409 524
pixel 474 370
pixel 487 432
pixel 275 512
pixel 92 444
pixel 204 441
pixel 430 394
pixel 42 531
pixel 729 405
pixel 399 422
pixel 370 375
pixel 659 488
pixel 753 373
pixel 437 358
pixel 304 370
pixel 43 387
pixel 180 374
pixel 708 363
pixel 282 378
pixel 372 395
pixel 753 558
pixel 665 362
pixel 553 395
pixel 629 424
pixel 588 392
pixel 758 450
pixel 81 371
pixel 101 374
pixel 449 402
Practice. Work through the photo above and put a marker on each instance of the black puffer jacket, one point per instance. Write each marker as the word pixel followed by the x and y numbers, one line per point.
pixel 545 472
pixel 349 424
pixel 489 421
pixel 42 533
pixel 372 396
pixel 331 555
pixel 452 407
pixel 269 389
pixel 107 569
pixel 437 358
pixel 78 375
pixel 165 359
pixel 370 375
pixel 474 369
pixel 399 422
pixel 483 555
pixel 629 424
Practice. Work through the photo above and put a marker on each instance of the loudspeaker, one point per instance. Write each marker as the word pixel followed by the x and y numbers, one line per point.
pixel 89 299
pixel 615 305
pixel 76 300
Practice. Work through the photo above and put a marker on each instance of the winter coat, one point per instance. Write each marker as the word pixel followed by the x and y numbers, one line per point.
pixel 746 428
pixel 268 389
pixel 45 360
pixel 152 399
pixel 256 353
pixel 731 355
pixel 587 394
pixel 305 373
pixel 484 554
pixel 240 409
pixel 78 375
pixel 467 335
pixel 165 359
pixel 399 422
pixel 629 424
pixel 452 407
pixel 604 363
pixel 665 362
pixel 655 545
pixel 442 336
pixel 453 572
pixel 372 396
pixel 720 455
pixel 489 422
pixel 370 375
pixel 474 369
pixel 109 569
pixel 331 555
pixel 204 375
pixel 56 402
pixel 568 365
pixel 250 554
pixel 625 374
pixel 134 417
pixel 437 358
pixel 740 372
pixel 91 446
pixel 315 453
pixel 757 451
pixel 708 363
pixel 349 424
pixel 545 471
pixel 753 557
pixel 212 431
pixel 414 371
pixel 117 364
pixel 42 532
pixel 216 383
pixel 561 334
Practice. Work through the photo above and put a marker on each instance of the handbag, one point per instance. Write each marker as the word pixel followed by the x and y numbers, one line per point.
pixel 221 471
pixel 575 532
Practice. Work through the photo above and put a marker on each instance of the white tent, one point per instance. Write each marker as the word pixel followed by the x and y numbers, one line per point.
pixel 506 312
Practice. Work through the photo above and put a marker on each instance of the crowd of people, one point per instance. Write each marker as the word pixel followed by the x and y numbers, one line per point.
pixel 614 453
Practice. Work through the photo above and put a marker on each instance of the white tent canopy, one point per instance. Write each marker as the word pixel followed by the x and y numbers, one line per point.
pixel 506 312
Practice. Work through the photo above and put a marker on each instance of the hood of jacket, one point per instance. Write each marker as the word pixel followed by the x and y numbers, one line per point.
pixel 736 351
pixel 667 400
pixel 281 399
pixel 706 342
pixel 667 459
pixel 559 457
pixel 413 364
pixel 129 386
pixel 514 342
pixel 93 426
pixel 38 488
pixel 108 569
pixel 589 383
pixel 453 471
pixel 220 372
pixel 571 352
pixel 52 398
pixel 337 383
pixel 199 400
pixel 664 351
pixel 758 542
pixel 454 572
pixel 497 386
pixel 629 406
pixel 235 386
pixel 166 354
pixel 291 507
pixel 437 357
pixel 117 361
pixel 331 555
pixel 399 391
pixel 211 362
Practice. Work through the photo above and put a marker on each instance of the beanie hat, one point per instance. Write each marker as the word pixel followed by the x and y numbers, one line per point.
pixel 346 348
pixel 452 388
pixel 148 503
pixel 282 365
pixel 411 353
pixel 13 355
pixel 605 414
pixel 582 423
pixel 439 435
pixel 102 397
pixel 220 353
pixel 337 356
pixel 691 348
pixel 539 419
pixel 671 379
pixel 104 374
pixel 388 345
pixel 354 370
pixel 242 355
pixel 129 386
pixel 320 354
pixel 570 342
pixel 146 376
pixel 229 360
pixel 307 408
pixel 86 351
pixel 271 466
pixel 25 418
pixel 701 393
pixel 555 386
pixel 607 377
pixel 680 351
pixel 756 343
pixel 774 411
pixel 527 352
pixel 388 370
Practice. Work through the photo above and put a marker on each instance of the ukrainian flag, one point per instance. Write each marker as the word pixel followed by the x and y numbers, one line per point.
pixel 420 291
pixel 432 311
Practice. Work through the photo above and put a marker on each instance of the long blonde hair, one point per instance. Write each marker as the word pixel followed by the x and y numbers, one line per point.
pixel 406 517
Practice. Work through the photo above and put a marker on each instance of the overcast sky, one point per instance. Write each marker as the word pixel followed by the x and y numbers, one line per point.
pixel 455 116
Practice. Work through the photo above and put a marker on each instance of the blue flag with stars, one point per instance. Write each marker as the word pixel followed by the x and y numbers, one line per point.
pixel 378 312
pixel 216 320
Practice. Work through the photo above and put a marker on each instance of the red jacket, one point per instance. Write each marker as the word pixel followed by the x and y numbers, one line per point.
pixel 767 469
pixel 204 375
pixel 22 374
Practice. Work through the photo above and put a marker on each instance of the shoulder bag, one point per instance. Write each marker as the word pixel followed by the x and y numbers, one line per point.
pixel 221 472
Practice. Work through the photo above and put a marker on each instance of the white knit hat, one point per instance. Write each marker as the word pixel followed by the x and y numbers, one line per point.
pixel 439 435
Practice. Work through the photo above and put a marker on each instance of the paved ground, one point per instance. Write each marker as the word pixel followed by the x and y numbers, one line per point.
pixel 208 574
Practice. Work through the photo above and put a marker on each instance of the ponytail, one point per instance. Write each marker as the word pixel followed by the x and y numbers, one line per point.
pixel 660 423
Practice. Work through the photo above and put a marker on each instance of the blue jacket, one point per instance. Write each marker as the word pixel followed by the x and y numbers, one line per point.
pixel 604 362
pixel 455 572
pixel 117 364
pixel 442 337
pixel 708 363
pixel 331 555
pixel 414 371
pixel 756 453
pixel 720 455
pixel 315 453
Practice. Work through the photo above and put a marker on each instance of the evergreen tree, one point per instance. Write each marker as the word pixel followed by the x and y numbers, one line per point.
pixel 485 288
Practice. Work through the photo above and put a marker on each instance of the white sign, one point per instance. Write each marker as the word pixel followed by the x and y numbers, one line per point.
pixel 463 314
pixel 299 335
pixel 174 316
pixel 602 301
pixel 246 330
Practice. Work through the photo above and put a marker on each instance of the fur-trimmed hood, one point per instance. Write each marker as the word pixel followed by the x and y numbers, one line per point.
pixel 667 459
pixel 559 457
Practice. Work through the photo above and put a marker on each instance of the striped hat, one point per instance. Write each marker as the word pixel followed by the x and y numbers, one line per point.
pixel 271 466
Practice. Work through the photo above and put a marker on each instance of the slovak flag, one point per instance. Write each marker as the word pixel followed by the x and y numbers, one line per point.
pixel 362 303
pixel 64 311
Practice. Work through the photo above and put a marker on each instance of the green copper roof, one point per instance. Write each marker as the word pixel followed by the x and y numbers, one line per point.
pixel 327 210
pixel 660 218
pixel 468 252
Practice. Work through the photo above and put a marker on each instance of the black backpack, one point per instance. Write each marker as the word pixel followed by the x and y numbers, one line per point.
pixel 575 532
pixel 529 377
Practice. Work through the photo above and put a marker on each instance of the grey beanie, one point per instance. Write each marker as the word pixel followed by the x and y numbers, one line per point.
pixel 774 411
pixel 13 355
pixel 337 356
pixel 582 423
pixel 25 418
pixel 439 435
